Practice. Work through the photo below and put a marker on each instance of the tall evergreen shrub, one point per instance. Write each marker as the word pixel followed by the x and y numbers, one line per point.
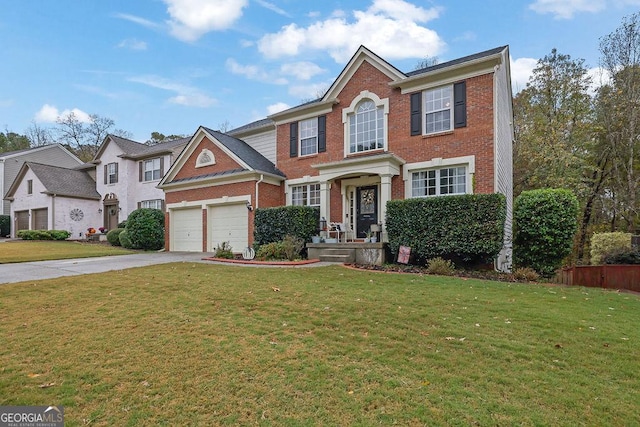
pixel 545 223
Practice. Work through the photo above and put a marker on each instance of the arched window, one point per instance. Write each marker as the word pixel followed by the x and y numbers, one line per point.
pixel 366 123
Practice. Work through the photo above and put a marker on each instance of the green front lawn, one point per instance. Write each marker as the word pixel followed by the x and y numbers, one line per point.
pixel 39 250
pixel 200 344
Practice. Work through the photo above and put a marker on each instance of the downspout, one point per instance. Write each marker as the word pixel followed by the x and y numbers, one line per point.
pixel 257 190
pixel 53 212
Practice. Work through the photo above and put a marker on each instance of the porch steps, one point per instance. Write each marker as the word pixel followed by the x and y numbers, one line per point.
pixel 338 255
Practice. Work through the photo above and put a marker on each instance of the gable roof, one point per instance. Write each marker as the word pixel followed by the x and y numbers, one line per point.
pixel 135 150
pixel 464 59
pixel 58 181
pixel 15 153
pixel 247 157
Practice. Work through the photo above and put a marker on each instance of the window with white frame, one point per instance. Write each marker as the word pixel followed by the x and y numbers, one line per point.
pixel 305 195
pixel 366 127
pixel 151 170
pixel 112 173
pixel 439 182
pixel 439 109
pixel 308 136
pixel 151 204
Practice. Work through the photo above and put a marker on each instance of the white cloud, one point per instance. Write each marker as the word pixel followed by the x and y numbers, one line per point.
pixel 389 27
pixel 565 9
pixel 50 114
pixel 309 91
pixel 521 71
pixel 133 44
pixel 273 8
pixel 253 72
pixel 276 108
pixel 304 70
pixel 185 94
pixel 191 19
pixel 137 20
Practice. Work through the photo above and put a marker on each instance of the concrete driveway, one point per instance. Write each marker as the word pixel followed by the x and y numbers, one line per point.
pixel 25 271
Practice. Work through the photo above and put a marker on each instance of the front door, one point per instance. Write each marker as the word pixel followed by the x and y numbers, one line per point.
pixel 366 209
pixel 111 216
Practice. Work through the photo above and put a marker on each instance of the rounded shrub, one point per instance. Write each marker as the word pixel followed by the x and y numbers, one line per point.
pixel 125 240
pixel 113 236
pixel 5 225
pixel 145 228
pixel 545 222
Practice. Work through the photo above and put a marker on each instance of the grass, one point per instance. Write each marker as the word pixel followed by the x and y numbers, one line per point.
pixel 38 250
pixel 199 344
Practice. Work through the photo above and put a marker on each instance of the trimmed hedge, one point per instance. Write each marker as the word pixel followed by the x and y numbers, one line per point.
pixel 545 223
pixel 43 234
pixel 125 240
pixel 5 225
pixel 466 229
pixel 113 236
pixel 274 224
pixel 145 229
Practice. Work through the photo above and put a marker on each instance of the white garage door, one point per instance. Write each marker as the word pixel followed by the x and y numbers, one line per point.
pixel 186 230
pixel 229 223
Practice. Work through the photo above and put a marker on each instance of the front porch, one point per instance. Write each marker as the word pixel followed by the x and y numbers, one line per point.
pixel 349 252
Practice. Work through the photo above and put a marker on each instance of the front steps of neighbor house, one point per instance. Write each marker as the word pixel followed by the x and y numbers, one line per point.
pixel 348 253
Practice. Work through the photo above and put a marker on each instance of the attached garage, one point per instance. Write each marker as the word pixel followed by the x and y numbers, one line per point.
pixel 228 223
pixel 186 230
pixel 21 220
pixel 40 219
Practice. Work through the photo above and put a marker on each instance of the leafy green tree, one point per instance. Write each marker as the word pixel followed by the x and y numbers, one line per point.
pixel 11 141
pixel 157 138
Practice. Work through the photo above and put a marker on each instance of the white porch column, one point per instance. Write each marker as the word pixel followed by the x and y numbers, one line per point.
pixel 325 200
pixel 385 196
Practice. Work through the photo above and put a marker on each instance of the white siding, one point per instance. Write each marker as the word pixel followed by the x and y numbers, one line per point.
pixel 264 143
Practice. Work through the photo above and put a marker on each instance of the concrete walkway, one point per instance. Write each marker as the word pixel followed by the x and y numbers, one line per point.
pixel 27 271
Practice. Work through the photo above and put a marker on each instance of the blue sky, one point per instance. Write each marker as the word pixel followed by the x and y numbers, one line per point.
pixel 173 65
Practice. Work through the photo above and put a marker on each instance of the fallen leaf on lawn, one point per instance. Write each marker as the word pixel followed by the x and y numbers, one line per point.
pixel 34 375
pixel 449 338
pixel 462 339
pixel 558 345
pixel 350 391
pixel 276 289
pixel 46 385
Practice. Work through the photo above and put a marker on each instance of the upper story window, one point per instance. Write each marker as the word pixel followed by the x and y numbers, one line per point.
pixel 305 195
pixel 365 123
pixel 439 109
pixel 439 182
pixel 152 170
pixel 111 173
pixel 366 128
pixel 307 137
pixel 29 186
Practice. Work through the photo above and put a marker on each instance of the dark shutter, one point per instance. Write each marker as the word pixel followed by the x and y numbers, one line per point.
pixel 105 174
pixel 161 167
pixel 460 105
pixel 416 113
pixel 140 171
pixel 322 134
pixel 139 205
pixel 116 180
pixel 293 140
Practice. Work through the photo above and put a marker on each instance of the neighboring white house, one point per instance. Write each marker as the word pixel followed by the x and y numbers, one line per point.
pixel 121 178
pixel 45 197
pixel 11 162
pixel 127 173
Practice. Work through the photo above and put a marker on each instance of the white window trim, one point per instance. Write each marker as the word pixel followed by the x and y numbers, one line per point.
pixel 347 112
pixel 300 184
pixel 439 163
pixel 300 137
pixel 424 110
pixel 115 174
pixel 152 170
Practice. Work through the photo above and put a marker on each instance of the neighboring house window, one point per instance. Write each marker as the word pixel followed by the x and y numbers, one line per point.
pixel 111 173
pixel 152 170
pixel 439 182
pixel 151 204
pixel 306 195
pixel 439 109
pixel 308 137
pixel 29 186
pixel 366 127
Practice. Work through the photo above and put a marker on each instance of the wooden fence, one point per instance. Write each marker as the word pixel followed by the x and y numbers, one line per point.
pixel 603 276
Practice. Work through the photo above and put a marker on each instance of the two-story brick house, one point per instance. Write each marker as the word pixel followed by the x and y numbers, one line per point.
pixel 376 135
